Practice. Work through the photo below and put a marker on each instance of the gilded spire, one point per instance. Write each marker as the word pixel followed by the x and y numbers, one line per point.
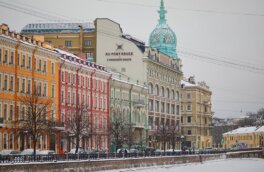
pixel 162 13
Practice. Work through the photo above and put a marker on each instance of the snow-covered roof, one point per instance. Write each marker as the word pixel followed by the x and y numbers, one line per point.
pixel 57 27
pixel 187 83
pixel 261 129
pixel 246 130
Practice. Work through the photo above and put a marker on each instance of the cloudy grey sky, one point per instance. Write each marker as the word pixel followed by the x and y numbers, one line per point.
pixel 219 41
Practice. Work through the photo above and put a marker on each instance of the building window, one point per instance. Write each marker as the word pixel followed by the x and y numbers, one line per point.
pixel 39 68
pixel 6 55
pixel 151 105
pixel 45 90
pixel 5 141
pixel 23 85
pixel 188 96
pixel 189 107
pixel 68 43
pixel 157 90
pixel 189 132
pixel 162 92
pixel 11 141
pixel 5 112
pixel 172 109
pixel 150 88
pixel 189 119
pixel 157 106
pixel 62 96
pixel 29 87
pixel 5 82
pixel 69 78
pixel 12 58
pixel 162 107
pixel 62 76
pixel 89 55
pixel 29 62
pixel 11 83
pixel 23 61
pixel 88 43
pixel 45 66
pixel 168 93
pixel 52 68
pixel 11 112
pixel 168 108
pixel 52 91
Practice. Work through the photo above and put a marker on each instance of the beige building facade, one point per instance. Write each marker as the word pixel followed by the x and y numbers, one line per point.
pixel 78 38
pixel 196 108
pixel 244 137
pixel 128 101
pixel 147 66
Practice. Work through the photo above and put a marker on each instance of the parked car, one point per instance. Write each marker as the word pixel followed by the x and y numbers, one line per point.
pixel 47 154
pixel 9 152
pixel 80 151
pixel 5 155
pixel 29 152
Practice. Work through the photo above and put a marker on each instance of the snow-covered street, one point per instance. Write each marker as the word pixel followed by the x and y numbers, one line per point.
pixel 227 165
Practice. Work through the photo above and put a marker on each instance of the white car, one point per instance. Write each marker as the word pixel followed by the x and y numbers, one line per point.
pixel 29 152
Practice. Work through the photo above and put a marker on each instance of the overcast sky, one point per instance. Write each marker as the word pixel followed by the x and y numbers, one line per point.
pixel 225 30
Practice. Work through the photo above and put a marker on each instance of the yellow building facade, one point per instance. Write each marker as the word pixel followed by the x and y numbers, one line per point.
pixel 25 65
pixel 75 37
pixel 196 120
pixel 245 137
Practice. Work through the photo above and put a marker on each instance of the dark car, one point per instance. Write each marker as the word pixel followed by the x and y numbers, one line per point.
pixel 8 155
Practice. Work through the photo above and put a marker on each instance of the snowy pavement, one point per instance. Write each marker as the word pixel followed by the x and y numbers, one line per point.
pixel 226 165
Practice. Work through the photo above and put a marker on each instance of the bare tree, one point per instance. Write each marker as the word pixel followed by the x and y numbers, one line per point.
pixel 78 126
pixel 163 134
pixel 174 134
pixel 117 131
pixel 35 120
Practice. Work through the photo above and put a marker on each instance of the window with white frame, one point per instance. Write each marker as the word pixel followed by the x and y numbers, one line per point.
pixel 11 86
pixel 11 115
pixel 53 91
pixel 88 43
pixel 189 107
pixel 5 112
pixel 29 86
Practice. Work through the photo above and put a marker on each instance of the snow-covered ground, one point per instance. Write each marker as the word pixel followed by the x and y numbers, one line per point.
pixel 226 165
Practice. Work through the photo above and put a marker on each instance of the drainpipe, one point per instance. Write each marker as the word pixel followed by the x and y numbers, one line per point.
pixel 108 109
pixel 81 38
pixel 59 105
pixel 91 104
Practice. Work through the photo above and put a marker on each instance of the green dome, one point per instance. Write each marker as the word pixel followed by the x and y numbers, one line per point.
pixel 162 37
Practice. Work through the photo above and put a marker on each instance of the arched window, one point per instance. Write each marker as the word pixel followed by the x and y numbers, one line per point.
pixel 177 96
pixel 168 93
pixel 157 90
pixel 150 88
pixel 162 92
pixel 172 94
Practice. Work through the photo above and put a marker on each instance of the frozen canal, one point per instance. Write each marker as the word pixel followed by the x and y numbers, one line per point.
pixel 228 165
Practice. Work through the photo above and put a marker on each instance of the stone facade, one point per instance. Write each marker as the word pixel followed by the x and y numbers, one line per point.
pixel 129 102
pixel 196 114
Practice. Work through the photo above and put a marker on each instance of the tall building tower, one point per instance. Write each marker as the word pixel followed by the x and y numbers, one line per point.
pixel 162 37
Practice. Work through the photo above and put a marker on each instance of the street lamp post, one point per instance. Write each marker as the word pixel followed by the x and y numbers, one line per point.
pixel 182 142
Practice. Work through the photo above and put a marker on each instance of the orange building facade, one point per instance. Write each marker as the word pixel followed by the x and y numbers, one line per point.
pixel 25 65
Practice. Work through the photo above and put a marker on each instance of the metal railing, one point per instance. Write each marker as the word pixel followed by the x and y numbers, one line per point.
pixel 99 155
